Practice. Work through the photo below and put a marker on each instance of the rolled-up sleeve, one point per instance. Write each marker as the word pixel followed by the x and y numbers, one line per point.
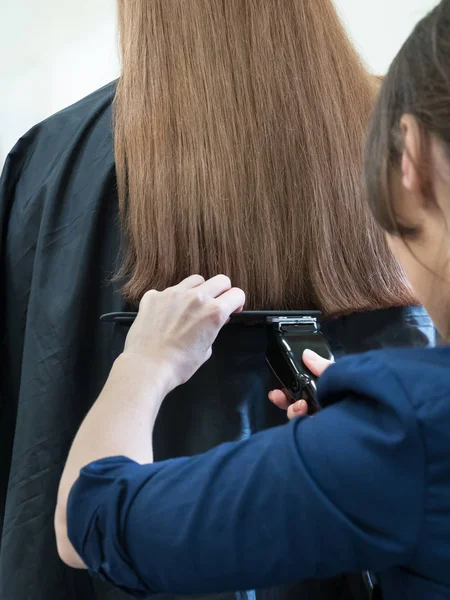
pixel 338 492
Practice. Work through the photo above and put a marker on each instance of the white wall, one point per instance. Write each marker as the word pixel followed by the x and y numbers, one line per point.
pixel 54 52
pixel 379 27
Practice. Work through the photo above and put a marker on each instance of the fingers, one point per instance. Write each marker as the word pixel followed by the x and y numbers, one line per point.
pixel 231 301
pixel 215 286
pixel 315 363
pixel 298 409
pixel 279 399
pixel 191 282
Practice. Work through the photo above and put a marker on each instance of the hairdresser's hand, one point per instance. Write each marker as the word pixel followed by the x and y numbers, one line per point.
pixel 317 365
pixel 175 329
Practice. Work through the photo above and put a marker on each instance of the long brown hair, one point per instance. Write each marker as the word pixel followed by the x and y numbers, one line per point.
pixel 418 84
pixel 239 128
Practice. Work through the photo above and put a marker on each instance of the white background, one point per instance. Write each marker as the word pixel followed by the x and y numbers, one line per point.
pixel 54 52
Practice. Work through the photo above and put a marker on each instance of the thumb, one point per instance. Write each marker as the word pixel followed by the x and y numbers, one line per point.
pixel 315 363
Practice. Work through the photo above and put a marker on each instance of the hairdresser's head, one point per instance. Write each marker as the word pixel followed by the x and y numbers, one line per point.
pixel 239 131
pixel 408 161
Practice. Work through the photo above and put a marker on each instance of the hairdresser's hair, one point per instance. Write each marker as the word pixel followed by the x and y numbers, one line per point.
pixel 418 84
pixel 239 132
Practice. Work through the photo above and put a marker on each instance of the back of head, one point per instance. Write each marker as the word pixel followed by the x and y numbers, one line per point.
pixel 417 84
pixel 239 128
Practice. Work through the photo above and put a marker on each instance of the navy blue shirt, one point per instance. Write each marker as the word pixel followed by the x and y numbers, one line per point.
pixel 365 484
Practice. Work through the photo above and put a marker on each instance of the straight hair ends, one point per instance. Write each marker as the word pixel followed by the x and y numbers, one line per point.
pixel 239 133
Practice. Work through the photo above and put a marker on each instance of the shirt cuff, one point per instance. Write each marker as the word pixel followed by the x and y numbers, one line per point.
pixel 96 512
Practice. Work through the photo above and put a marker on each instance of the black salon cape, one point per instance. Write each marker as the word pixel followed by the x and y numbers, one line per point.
pixel 59 250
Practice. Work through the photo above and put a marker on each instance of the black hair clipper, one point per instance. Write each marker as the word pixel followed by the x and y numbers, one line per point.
pixel 287 338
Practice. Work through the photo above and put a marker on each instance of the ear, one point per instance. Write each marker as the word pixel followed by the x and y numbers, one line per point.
pixel 412 159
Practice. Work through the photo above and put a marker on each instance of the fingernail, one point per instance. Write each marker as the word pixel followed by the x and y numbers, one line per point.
pixel 299 406
pixel 310 355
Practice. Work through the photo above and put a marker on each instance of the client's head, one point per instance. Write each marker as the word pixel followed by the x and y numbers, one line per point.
pixel 239 129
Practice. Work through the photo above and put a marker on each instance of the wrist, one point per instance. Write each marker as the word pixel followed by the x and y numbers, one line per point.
pixel 155 375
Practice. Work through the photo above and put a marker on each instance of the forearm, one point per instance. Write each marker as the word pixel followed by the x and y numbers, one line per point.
pixel 120 423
